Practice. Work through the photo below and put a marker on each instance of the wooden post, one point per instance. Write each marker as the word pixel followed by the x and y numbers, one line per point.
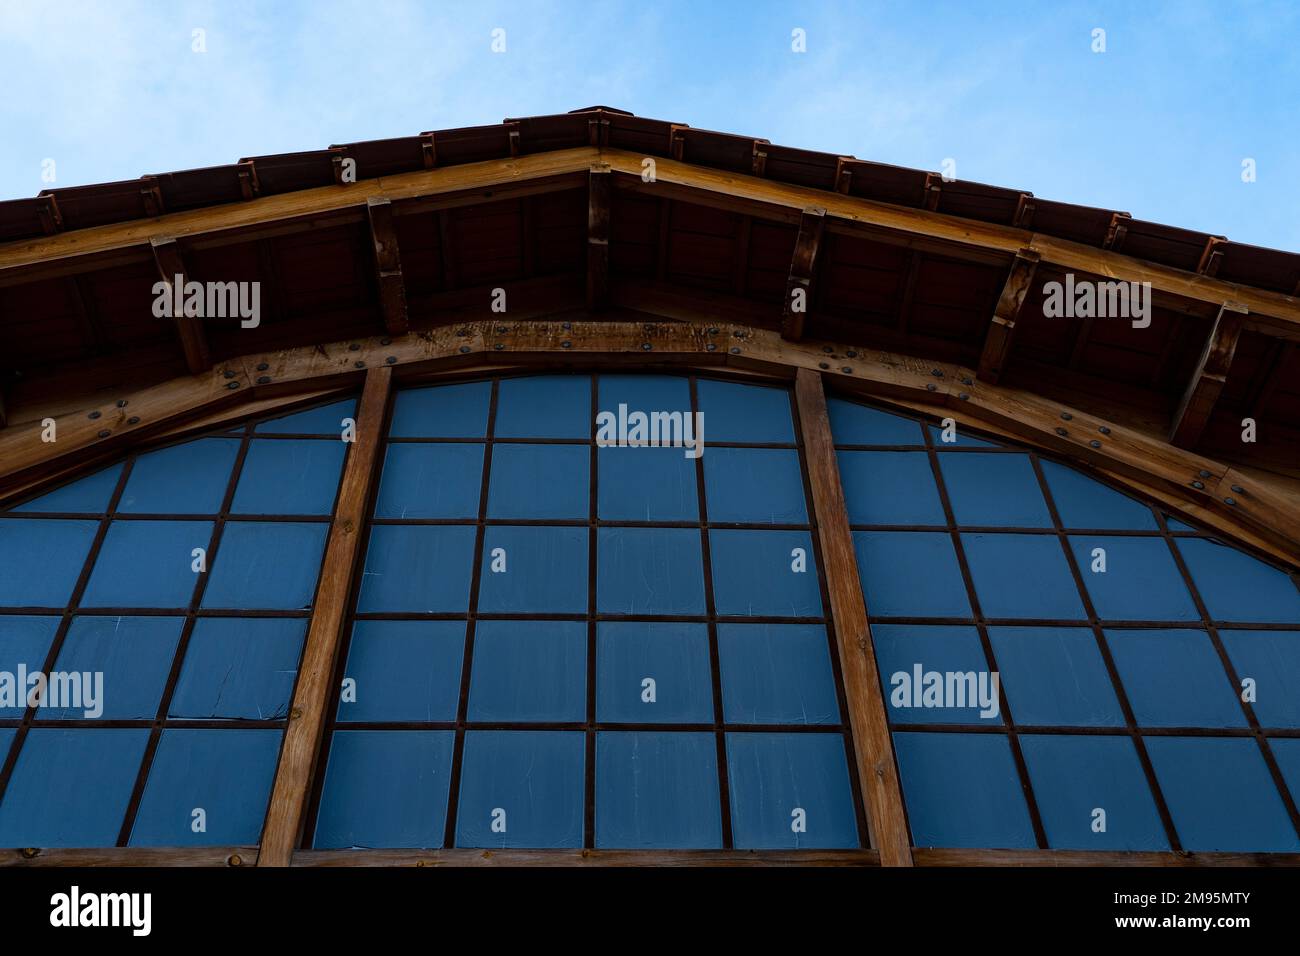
pixel 873 747
pixel 1002 326
pixel 598 190
pixel 167 257
pixel 1209 378
pixel 388 265
pixel 798 288
pixel 311 697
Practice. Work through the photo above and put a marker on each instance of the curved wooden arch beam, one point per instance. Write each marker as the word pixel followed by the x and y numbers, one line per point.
pixel 1267 510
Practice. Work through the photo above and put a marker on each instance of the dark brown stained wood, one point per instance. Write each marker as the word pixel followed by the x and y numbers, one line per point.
pixel 802 266
pixel 963 857
pixel 1209 377
pixel 130 856
pixel 388 265
pixel 1002 327
pixel 598 196
pixel 465 857
pixel 907 295
pixel 194 341
pixel 873 747
pixel 311 696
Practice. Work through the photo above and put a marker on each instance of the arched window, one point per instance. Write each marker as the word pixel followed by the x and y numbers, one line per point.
pixel 166 598
pixel 1148 677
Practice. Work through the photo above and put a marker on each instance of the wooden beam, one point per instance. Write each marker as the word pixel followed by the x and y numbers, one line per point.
pixel 1002 326
pixel 119 856
pixel 803 263
pixel 462 857
pixel 388 265
pixel 311 696
pixel 907 293
pixel 1209 377
pixel 873 746
pixel 189 328
pixel 961 857
pixel 598 195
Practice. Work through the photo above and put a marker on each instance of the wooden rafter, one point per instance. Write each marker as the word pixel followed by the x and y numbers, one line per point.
pixel 598 197
pixel 1208 378
pixel 803 264
pixel 388 265
pixel 311 696
pixel 189 328
pixel 1002 325
pixel 877 772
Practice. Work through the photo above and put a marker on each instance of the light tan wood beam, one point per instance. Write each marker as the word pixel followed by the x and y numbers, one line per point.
pixel 388 265
pixel 1002 326
pixel 803 264
pixel 302 738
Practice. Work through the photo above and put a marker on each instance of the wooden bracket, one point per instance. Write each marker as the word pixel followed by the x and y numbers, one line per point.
pixel 1002 326
pixel 598 201
pixel 1209 378
pixel 1116 231
pixel 1211 256
pixel 194 341
pixel 388 266
pixel 798 288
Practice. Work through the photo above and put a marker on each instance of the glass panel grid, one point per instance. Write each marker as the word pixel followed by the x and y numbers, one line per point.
pixel 212 748
pixel 600 726
pixel 1107 680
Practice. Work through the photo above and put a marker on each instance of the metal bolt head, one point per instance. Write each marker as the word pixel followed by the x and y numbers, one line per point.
pixel 464 349
pixel 1062 432
pixel 566 326
pixel 499 346
pixel 967 380
pixel 1104 430
pixel 646 346
pixel 852 353
pixel 501 328
pixel 391 360
pixel 104 433
pixel 263 380
pixel 1066 416
pixel 385 341
pixel 566 344
pixel 1203 473
pixel 462 334
pixel 823 365
pixel 710 347
pixel 1237 489
pixel 1229 501
pixel 713 330
pixel 232 385
pixel 931 387
pixel 93 415
pixel 1198 485
pixel 847 369
pixel 964 396
pixel 354 347
pixel 734 351
pixel 262 366
pixel 1094 443
pixel 358 364
pixel 133 420
pixel 121 403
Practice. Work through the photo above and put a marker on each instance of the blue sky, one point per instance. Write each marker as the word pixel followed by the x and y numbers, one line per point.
pixel 1158 125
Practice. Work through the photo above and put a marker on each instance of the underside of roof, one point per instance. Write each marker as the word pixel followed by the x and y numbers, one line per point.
pixel 599 214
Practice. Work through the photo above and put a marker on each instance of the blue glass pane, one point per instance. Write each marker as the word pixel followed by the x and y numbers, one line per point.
pixel 1176 525
pixel 404 670
pixel 24 645
pixel 322 420
pixel 440 480
pixel 910 574
pixel 147 564
pixel 1221 795
pixel 40 560
pixel 544 406
pixel 762 573
pixel 1084 503
pixel 1073 777
pixel 225 773
pixel 425 568
pixel 1022 575
pixel 776 674
pixel 1174 678
pixel 1140 582
pixel 521 789
pixel 959 439
pixel 266 565
pixel 744 413
pixel 657 791
pixel 673 657
pixel 529 671
pixel 444 411
pixel 134 656
pixel 646 484
pixel 89 495
pixel 915 662
pixel 71 787
pixel 534 569
pixel 1055 676
pixel 994 489
pixel 890 487
pixel 644 393
pixel 853 424
pixel 386 788
pixel 1286 751
pixel 1237 587
pixel 755 485
pixel 239 668
pixel 289 477
pixel 1272 660
pixel 649 571
pixel 183 479
pixel 540 481
pixel 790 791
pixel 986 810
